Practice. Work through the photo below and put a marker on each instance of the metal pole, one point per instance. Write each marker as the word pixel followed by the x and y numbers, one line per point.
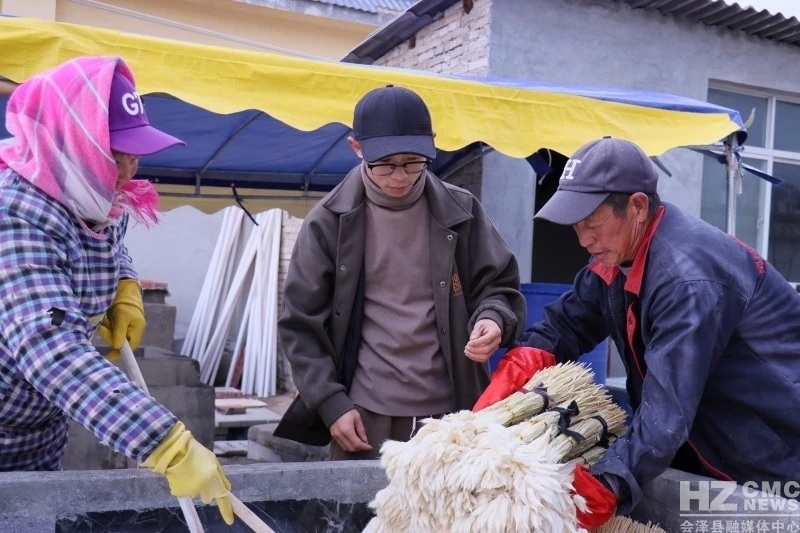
pixel 732 172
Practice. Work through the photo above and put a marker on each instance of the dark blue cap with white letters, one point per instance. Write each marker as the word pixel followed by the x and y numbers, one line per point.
pixel 594 171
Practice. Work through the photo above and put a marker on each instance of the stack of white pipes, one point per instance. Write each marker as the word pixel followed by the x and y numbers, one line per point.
pixel 257 336
pixel 257 340
pixel 214 285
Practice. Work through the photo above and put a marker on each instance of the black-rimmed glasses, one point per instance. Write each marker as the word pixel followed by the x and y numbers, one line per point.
pixel 387 169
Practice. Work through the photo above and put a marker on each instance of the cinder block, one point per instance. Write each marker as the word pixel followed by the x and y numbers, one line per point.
pixel 264 446
pixel 162 367
pixel 160 325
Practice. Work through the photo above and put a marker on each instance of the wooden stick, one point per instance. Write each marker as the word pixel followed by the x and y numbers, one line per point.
pixel 248 516
pixel 133 367
pixel 190 515
pixel 187 506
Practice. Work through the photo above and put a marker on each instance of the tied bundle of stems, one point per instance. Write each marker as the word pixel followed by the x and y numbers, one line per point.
pixel 593 454
pixel 584 434
pixel 621 524
pixel 586 402
pixel 535 427
pixel 573 427
pixel 553 385
pixel 507 468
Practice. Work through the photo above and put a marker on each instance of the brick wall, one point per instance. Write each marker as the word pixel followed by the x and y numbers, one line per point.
pixel 290 226
pixel 455 43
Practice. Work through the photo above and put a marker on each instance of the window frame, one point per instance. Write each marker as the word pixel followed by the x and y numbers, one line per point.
pixel 766 153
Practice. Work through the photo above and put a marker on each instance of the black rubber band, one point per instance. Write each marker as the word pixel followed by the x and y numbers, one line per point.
pixel 603 442
pixel 541 390
pixel 565 419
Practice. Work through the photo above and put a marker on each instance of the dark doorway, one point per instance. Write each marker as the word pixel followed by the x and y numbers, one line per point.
pixel 557 256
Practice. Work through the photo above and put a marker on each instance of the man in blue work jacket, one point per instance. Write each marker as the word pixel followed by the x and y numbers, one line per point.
pixel 709 333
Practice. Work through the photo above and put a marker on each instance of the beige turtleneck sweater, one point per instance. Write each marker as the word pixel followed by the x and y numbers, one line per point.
pixel 401 370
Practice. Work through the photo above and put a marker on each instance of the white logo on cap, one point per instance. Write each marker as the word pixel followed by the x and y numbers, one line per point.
pixel 569 169
pixel 132 103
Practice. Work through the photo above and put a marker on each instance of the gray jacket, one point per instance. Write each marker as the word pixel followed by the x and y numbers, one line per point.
pixel 475 275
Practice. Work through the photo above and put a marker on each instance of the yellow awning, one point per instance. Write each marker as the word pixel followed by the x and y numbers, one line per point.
pixel 513 117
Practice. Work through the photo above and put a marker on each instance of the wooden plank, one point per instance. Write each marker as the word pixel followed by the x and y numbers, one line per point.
pixel 229 448
pixel 227 392
pixel 254 416
pixel 238 402
pixel 232 410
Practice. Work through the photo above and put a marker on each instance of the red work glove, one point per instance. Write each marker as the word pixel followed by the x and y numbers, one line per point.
pixel 516 367
pixel 600 501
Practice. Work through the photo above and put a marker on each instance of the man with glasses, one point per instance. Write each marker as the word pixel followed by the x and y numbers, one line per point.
pixel 399 289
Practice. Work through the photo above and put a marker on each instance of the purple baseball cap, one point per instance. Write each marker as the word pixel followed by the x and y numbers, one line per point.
pixel 131 132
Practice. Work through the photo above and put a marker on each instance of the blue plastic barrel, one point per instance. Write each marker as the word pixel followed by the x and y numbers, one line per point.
pixel 538 295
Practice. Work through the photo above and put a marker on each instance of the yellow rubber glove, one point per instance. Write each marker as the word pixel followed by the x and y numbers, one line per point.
pixel 124 319
pixel 192 470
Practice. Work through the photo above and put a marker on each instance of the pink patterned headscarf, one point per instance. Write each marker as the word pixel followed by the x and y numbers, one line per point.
pixel 60 143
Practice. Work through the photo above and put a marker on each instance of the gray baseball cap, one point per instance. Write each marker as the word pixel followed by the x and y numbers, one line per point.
pixel 595 171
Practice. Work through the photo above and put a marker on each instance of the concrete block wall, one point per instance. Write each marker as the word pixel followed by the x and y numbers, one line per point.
pixel 681 502
pixel 263 446
pixel 455 43
pixel 34 501
pixel 290 227
pixel 160 330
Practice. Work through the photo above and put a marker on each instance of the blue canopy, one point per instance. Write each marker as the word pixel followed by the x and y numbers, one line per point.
pixel 249 149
